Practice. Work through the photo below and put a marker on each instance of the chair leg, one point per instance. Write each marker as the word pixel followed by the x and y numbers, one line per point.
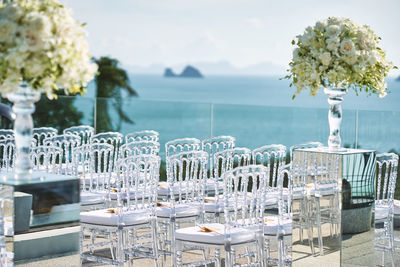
pixel 120 250
pixel 217 255
pixel 173 245
pixel 155 243
pixel 179 253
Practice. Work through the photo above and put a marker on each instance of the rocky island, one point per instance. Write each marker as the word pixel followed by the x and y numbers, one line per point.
pixel 188 72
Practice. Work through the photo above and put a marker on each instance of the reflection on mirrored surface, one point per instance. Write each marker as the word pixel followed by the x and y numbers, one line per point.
pixel 333 221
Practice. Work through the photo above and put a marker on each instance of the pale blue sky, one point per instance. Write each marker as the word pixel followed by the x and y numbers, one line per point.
pixel 242 32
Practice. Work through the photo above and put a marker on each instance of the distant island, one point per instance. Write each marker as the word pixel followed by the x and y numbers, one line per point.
pixel 398 79
pixel 188 72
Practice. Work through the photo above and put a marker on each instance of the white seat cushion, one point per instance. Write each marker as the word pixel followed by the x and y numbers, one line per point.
pixel 396 207
pixel 271 225
pixel 181 210
pixel 324 189
pixel 381 211
pixel 104 217
pixel 89 198
pixel 194 234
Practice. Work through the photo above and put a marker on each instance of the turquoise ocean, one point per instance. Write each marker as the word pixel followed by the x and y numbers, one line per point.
pixel 257 110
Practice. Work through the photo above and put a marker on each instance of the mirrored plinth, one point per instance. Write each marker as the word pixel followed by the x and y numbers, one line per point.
pixel 335 208
pixel 40 216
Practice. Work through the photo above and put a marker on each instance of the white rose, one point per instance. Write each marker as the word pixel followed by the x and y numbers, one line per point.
pixel 332 43
pixel 35 67
pixel 325 58
pixel 347 46
pixel 7 30
pixel 38 23
pixel 333 30
pixel 11 12
pixel 373 57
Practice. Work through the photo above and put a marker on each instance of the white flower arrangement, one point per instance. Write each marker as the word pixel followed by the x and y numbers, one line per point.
pixel 339 53
pixel 43 45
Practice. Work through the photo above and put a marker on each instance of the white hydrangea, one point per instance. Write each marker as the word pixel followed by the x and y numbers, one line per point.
pixel 43 45
pixel 337 51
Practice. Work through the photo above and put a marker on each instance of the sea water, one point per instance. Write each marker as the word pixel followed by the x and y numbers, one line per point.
pixel 257 110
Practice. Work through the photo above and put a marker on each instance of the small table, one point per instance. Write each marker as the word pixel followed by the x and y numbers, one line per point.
pixel 352 172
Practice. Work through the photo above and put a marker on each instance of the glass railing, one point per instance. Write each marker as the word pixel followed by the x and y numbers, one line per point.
pixel 252 126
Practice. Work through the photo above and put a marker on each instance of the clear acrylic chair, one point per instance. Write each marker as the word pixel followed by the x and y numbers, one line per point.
pixel 135 148
pixel 122 221
pixel 46 158
pixel 146 135
pixel 214 145
pixel 384 203
pixel 67 143
pixel 274 158
pixel 42 133
pixel 7 154
pixel 314 177
pixel 85 132
pixel 277 227
pixel 244 188
pixel 180 145
pixel 93 164
pixel 113 138
pixel 224 161
pixel 186 186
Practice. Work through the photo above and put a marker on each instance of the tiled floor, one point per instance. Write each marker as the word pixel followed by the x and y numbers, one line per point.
pixel 357 249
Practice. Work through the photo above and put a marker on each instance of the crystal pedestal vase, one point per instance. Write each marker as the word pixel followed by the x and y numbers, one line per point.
pixel 335 99
pixel 24 105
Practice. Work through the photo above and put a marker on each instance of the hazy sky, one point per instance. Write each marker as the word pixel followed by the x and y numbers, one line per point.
pixel 242 32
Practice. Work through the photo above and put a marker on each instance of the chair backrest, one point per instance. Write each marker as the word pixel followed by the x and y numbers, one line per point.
pixel 138 178
pixel 85 132
pixel 244 194
pixel 42 133
pixel 113 138
pixel 135 148
pixel 181 145
pixel 7 153
pixel 386 177
pixel 46 158
pixel 298 171
pixel 228 159
pixel 188 171
pixel 6 134
pixel 146 135
pixel 271 156
pixel 94 164
pixel 67 142
pixel 214 145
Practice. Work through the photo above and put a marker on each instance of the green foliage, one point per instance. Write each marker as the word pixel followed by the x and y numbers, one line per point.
pixel 109 82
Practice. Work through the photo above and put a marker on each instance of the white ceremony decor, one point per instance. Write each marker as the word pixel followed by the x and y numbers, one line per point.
pixel 338 54
pixel 43 49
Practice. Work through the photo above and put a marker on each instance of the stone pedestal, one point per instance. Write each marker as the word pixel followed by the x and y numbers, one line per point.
pixel 346 206
pixel 41 216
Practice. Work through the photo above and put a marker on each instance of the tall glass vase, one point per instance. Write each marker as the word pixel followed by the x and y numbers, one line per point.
pixel 335 99
pixel 24 105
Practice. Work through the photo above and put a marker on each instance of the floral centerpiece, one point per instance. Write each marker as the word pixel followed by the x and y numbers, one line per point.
pixel 44 46
pixel 43 49
pixel 338 54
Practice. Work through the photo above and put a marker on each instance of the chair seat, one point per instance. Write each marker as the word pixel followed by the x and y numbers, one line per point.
pixel 324 189
pixel 181 210
pixel 381 211
pixel 397 207
pixel 90 198
pixel 213 183
pixel 271 225
pixel 217 237
pixel 104 217
pixel 133 194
